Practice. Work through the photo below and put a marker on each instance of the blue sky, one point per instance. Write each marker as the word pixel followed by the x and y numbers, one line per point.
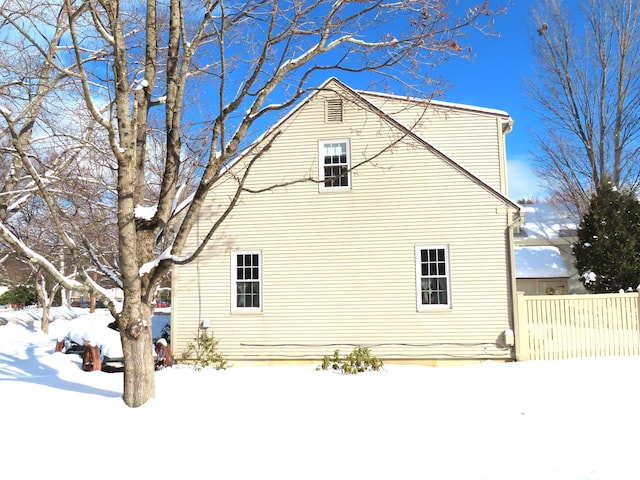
pixel 494 78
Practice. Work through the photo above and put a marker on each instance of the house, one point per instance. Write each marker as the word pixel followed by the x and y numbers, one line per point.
pixel 545 264
pixel 389 228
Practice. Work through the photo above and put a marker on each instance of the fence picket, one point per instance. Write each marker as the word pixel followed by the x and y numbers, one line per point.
pixel 568 326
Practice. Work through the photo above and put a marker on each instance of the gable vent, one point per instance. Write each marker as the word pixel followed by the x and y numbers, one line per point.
pixel 334 110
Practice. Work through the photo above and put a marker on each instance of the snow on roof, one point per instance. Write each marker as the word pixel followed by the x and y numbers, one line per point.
pixel 543 220
pixel 540 262
pixel 439 103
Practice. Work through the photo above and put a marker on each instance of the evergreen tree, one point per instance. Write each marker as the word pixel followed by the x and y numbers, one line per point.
pixel 24 294
pixel 608 249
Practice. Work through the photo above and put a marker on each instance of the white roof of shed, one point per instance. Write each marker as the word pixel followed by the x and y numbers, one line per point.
pixel 540 262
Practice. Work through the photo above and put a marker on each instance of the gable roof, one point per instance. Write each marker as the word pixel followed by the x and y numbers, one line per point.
pixel 438 103
pixel 359 97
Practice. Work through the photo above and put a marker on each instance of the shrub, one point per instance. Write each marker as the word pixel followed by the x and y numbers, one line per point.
pixel 19 296
pixel 360 360
pixel 201 353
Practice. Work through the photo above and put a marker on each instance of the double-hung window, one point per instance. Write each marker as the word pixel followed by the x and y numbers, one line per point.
pixel 246 291
pixel 433 276
pixel 335 165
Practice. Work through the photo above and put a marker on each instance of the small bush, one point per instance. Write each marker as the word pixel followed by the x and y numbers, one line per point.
pixel 201 353
pixel 360 360
pixel 24 294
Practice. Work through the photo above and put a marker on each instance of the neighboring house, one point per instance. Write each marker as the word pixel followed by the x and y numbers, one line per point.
pixel 403 244
pixel 541 270
pixel 14 270
pixel 545 264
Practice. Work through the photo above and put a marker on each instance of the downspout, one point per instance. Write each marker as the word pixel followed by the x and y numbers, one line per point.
pixel 505 127
pixel 517 219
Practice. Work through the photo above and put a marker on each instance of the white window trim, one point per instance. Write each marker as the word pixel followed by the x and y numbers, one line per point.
pixel 321 178
pixel 234 279
pixel 419 305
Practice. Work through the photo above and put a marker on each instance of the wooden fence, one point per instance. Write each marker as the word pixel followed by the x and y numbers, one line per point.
pixel 549 327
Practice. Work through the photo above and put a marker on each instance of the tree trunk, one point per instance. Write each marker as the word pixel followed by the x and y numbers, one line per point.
pixel 44 326
pixel 135 332
pixel 43 301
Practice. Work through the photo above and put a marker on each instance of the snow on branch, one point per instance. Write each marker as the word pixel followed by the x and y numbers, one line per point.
pixel 144 212
pixel 149 266
pixel 109 272
pixel 16 204
pixel 144 83
pixel 35 257
pixel 389 43
pixel 106 293
pixel 179 192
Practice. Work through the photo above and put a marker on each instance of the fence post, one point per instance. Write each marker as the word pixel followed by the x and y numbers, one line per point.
pixel 521 327
pixel 638 315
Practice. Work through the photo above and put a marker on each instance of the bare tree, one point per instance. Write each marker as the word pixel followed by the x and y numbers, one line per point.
pixel 587 92
pixel 175 89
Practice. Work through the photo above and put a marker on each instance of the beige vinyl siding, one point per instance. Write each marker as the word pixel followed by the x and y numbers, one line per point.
pixel 339 267
pixel 473 138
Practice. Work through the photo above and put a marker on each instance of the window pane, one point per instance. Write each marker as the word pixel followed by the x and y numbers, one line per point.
pixel 336 176
pixel 335 165
pixel 240 295
pixel 425 292
pixel 334 151
pixel 442 298
pixel 247 280
pixel 255 294
pixel 248 295
pixel 433 277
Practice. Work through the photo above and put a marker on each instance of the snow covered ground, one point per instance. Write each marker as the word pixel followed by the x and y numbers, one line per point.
pixel 564 420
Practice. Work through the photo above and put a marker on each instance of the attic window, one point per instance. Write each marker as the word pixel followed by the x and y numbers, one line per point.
pixel 333 109
pixel 334 165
